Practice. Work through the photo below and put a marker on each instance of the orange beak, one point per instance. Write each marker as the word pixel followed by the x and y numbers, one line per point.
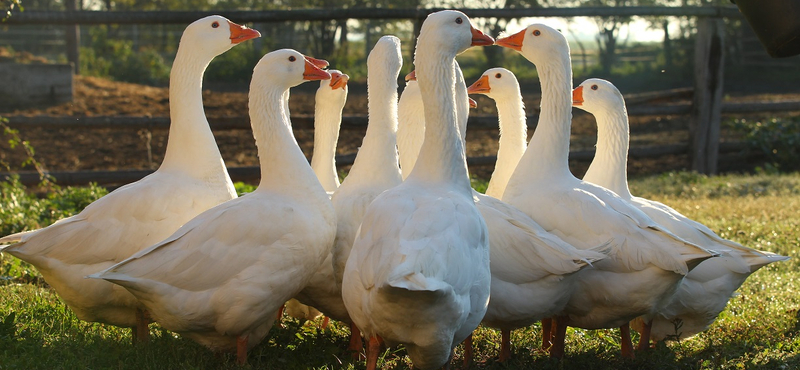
pixel 577 96
pixel 514 41
pixel 480 39
pixel 241 33
pixel 319 63
pixel 339 80
pixel 411 76
pixel 480 87
pixel 312 72
pixel 472 103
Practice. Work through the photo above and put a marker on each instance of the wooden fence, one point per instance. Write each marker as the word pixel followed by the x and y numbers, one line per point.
pixel 359 122
pixel 705 110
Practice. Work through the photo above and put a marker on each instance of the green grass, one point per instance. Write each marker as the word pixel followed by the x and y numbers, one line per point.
pixel 758 330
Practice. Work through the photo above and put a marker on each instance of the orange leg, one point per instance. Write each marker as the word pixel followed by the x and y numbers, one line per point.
pixel 141 333
pixel 559 337
pixel 644 338
pixel 241 350
pixel 468 351
pixel 547 327
pixel 279 316
pixel 505 345
pixel 373 350
pixel 356 345
pixel 625 341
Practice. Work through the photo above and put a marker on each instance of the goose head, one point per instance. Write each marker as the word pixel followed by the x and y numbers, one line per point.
pixel 386 55
pixel 496 83
pixel 538 43
pixel 338 80
pixel 451 33
pixel 214 35
pixel 597 96
pixel 286 68
pixel 333 90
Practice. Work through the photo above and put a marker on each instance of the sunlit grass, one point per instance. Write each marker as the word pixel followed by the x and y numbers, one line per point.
pixel 758 330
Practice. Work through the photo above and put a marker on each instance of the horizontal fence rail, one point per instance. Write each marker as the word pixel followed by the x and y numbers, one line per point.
pixel 356 122
pixel 271 16
pixel 251 174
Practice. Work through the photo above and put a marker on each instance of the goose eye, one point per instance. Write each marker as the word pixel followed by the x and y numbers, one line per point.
pixel 292 58
pixel 537 32
pixel 215 25
pixel 594 87
pixel 498 75
pixel 459 20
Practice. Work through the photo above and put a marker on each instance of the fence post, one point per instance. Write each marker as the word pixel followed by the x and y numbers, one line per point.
pixel 73 39
pixel 706 113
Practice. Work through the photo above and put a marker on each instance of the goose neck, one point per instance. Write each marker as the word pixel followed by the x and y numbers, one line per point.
pixel 377 158
pixel 327 120
pixel 283 165
pixel 548 150
pixel 442 157
pixel 190 139
pixel 609 166
pixel 513 136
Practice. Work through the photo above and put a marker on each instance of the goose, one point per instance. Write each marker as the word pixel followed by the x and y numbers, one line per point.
pixel 533 271
pixel 418 272
pixel 501 85
pixel 191 179
pixel 374 170
pixel 705 291
pixel 645 263
pixel 330 99
pixel 221 277
pixel 322 289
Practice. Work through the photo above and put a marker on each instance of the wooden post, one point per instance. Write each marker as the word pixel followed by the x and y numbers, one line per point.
pixel 73 38
pixel 707 103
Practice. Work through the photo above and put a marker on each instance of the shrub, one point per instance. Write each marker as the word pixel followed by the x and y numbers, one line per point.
pixel 114 58
pixel 777 138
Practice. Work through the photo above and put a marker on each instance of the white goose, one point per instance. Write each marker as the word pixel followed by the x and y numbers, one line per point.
pixel 222 276
pixel 418 273
pixel 501 85
pixel 329 102
pixel 704 293
pixel 375 167
pixel 645 265
pixel 532 269
pixel 191 179
pixel 322 289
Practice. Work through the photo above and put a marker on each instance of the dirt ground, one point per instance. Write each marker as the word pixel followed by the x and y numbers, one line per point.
pixel 111 149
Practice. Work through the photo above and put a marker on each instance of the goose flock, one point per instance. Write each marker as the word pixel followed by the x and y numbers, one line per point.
pixel 403 250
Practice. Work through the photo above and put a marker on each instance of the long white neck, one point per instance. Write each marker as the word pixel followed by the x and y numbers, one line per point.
pixel 462 102
pixel 609 167
pixel 513 137
pixel 442 157
pixel 411 127
pixel 191 147
pixel 284 168
pixel 547 154
pixel 377 158
pixel 327 120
